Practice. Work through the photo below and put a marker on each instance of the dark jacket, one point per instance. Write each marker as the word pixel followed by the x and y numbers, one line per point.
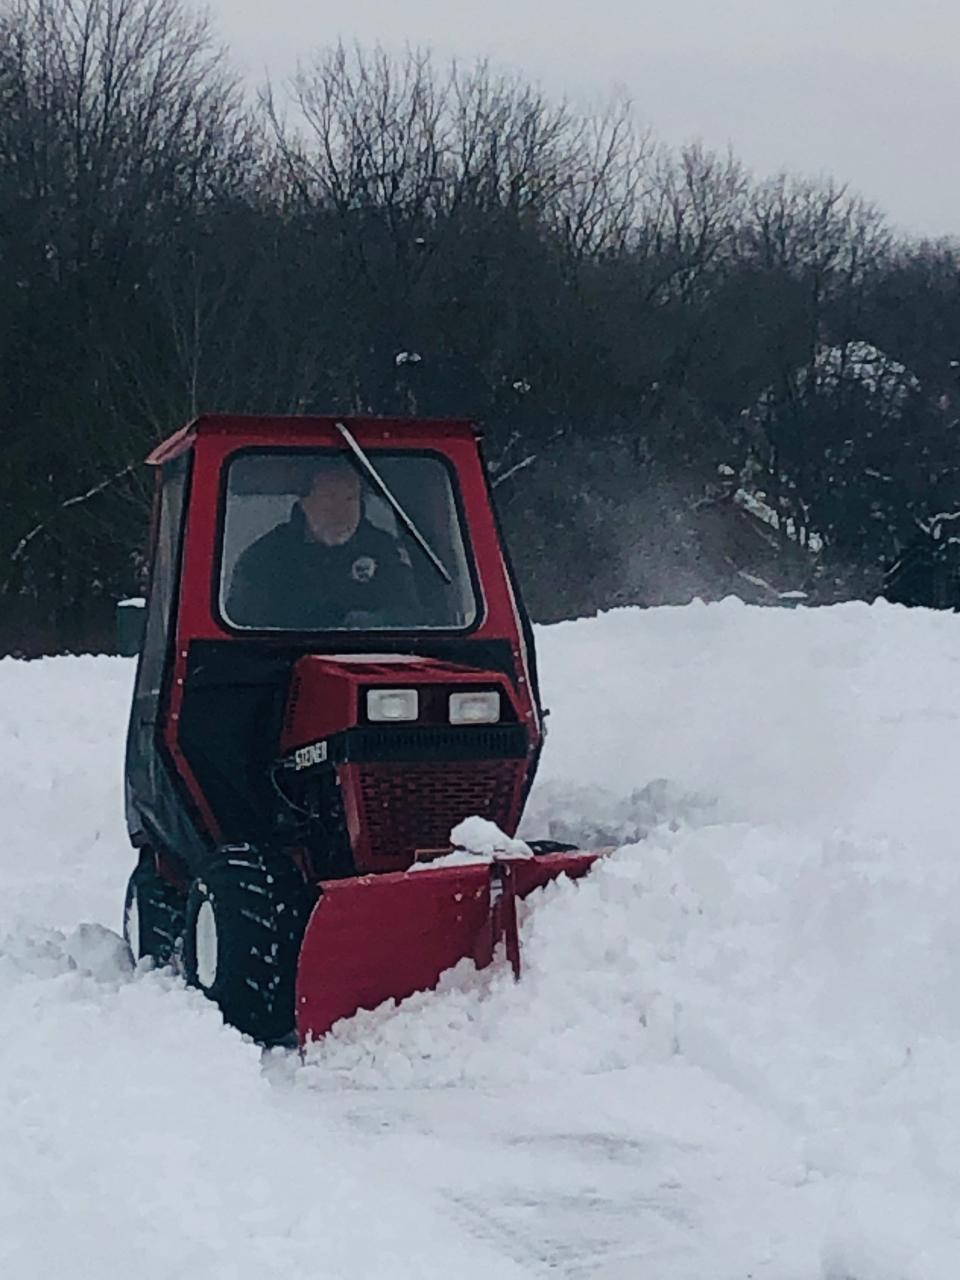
pixel 288 581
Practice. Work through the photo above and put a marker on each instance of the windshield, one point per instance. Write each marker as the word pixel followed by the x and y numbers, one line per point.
pixel 310 543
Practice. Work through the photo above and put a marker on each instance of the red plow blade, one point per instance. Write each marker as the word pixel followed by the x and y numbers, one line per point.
pixel 384 937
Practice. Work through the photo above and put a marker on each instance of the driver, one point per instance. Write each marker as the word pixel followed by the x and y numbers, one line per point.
pixel 325 568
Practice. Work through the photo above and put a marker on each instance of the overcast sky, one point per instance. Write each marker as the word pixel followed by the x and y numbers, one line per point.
pixel 866 90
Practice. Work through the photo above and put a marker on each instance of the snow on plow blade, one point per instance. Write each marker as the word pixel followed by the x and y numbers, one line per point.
pixel 384 937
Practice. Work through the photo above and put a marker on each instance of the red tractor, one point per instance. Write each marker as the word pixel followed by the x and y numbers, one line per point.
pixel 336 668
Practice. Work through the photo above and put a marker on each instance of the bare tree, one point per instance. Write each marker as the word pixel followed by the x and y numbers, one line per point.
pixel 418 144
pixel 119 118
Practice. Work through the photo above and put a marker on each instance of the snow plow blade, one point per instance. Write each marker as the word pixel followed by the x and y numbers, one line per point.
pixel 377 938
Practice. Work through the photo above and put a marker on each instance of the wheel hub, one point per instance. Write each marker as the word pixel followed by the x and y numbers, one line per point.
pixel 206 940
pixel 132 929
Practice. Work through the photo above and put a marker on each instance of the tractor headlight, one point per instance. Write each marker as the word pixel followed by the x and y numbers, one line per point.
pixel 392 704
pixel 475 708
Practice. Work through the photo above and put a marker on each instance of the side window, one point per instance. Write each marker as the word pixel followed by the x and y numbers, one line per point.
pixel 164 575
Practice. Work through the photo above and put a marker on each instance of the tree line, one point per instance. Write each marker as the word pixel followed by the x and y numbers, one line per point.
pixel 655 342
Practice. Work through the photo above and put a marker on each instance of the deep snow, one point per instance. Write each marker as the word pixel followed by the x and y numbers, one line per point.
pixel 735 1051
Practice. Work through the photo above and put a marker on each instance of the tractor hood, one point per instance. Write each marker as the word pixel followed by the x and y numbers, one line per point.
pixel 385 692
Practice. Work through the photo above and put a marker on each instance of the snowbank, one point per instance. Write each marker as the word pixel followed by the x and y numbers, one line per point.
pixel 736 1048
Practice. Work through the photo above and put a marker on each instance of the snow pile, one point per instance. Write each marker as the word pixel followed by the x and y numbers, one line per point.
pixel 735 1050
pixel 784 931
pixel 141 1139
pixel 885 381
pixel 474 840
pixel 484 839
pixel 139 1136
pixel 65 856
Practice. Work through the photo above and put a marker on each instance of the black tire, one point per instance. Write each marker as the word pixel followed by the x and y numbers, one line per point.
pixel 244 924
pixel 153 914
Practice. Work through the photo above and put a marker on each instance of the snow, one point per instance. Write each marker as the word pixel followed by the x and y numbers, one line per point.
pixel 863 364
pixel 888 383
pixel 940 527
pixel 856 365
pixel 479 836
pixel 735 1050
pixel 474 840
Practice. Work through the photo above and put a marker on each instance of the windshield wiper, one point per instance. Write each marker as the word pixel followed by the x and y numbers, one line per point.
pixel 381 484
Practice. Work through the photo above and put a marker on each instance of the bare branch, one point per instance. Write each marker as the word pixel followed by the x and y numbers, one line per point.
pixel 75 501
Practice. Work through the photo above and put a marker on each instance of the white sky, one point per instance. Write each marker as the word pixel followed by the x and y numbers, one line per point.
pixel 866 90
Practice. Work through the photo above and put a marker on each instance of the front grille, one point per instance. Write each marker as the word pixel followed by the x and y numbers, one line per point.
pixel 467 742
pixel 412 807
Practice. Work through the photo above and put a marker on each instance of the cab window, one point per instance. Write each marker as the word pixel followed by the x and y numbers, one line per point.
pixel 310 542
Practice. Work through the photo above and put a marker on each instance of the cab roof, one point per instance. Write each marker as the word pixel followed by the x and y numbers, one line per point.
pixel 267 429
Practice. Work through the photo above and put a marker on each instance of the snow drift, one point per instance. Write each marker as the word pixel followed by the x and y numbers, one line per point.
pixel 736 1048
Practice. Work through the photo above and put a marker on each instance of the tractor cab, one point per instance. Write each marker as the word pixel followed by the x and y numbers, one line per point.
pixel 336 669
